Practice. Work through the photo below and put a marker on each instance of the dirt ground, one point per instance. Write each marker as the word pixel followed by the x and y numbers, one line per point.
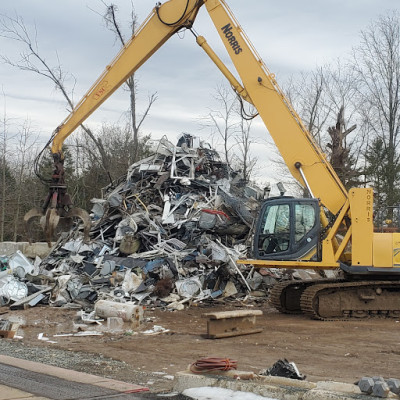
pixel 342 350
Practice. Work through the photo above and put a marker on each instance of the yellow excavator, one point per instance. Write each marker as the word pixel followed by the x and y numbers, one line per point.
pixel 331 230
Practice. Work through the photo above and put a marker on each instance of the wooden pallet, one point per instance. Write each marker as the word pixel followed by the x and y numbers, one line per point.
pixel 231 323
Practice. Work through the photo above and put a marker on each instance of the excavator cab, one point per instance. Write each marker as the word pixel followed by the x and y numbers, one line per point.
pixel 287 229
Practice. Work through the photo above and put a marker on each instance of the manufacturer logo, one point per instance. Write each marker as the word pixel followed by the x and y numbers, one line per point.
pixel 227 30
pixel 101 90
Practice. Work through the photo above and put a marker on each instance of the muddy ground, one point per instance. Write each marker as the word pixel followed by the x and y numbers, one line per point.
pixel 341 350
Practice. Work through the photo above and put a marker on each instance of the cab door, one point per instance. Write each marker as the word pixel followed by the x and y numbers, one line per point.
pixel 287 228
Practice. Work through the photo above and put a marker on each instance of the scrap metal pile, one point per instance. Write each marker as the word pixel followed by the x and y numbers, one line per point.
pixel 166 234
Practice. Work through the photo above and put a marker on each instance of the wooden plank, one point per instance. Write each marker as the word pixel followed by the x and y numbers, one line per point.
pixel 232 314
pixel 232 325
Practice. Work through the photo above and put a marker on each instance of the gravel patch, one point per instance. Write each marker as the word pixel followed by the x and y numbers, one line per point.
pixel 94 364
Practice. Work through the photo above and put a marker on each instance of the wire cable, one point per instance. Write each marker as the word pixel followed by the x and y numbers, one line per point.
pixel 171 23
pixel 243 113
pixel 38 159
pixel 213 364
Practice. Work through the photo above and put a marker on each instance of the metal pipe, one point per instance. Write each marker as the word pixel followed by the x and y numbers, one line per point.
pixel 298 166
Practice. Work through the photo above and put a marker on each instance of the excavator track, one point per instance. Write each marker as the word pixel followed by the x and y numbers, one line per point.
pixel 285 296
pixel 348 299
pixel 333 299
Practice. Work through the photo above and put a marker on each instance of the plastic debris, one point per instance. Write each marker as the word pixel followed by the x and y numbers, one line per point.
pixel 157 330
pixel 285 369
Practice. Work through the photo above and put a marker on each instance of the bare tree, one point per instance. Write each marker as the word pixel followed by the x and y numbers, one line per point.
pixel 308 94
pixel 326 100
pixel 223 122
pixel 244 145
pixel 310 99
pixel 26 140
pixel 377 64
pixel 14 28
pixel 230 128
pixel 136 120
pixel 341 87
pixel 5 138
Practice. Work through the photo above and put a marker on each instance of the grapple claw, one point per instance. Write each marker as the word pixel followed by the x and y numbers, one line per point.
pixel 85 218
pixel 32 213
pixel 48 221
pixel 29 216
pixel 57 208
pixel 51 219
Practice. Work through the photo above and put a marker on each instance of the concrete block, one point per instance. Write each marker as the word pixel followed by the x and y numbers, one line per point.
pixel 381 389
pixel 9 248
pixel 272 387
pixel 318 394
pixel 186 380
pixel 231 323
pixel 269 391
pixel 394 385
pixel 39 249
pixel 282 381
pixel 366 384
pixel 340 387
pixel 277 387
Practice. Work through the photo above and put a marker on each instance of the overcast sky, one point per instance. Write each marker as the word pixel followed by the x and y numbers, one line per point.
pixel 291 37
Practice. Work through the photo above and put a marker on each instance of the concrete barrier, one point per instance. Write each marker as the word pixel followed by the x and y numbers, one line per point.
pixel 40 249
pixel 272 386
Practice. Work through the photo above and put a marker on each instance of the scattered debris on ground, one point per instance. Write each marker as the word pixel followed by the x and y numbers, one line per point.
pixel 169 342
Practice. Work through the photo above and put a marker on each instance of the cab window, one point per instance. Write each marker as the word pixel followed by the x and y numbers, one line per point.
pixel 275 232
pixel 304 220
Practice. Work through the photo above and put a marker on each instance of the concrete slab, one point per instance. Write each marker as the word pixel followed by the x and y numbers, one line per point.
pixel 39 249
pixel 73 376
pixel 9 248
pixel 43 385
pixel 9 393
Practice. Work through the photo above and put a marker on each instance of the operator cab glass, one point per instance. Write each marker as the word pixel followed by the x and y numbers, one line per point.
pixel 287 228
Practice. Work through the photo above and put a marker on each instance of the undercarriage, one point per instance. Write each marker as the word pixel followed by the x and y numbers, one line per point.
pixel 337 299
